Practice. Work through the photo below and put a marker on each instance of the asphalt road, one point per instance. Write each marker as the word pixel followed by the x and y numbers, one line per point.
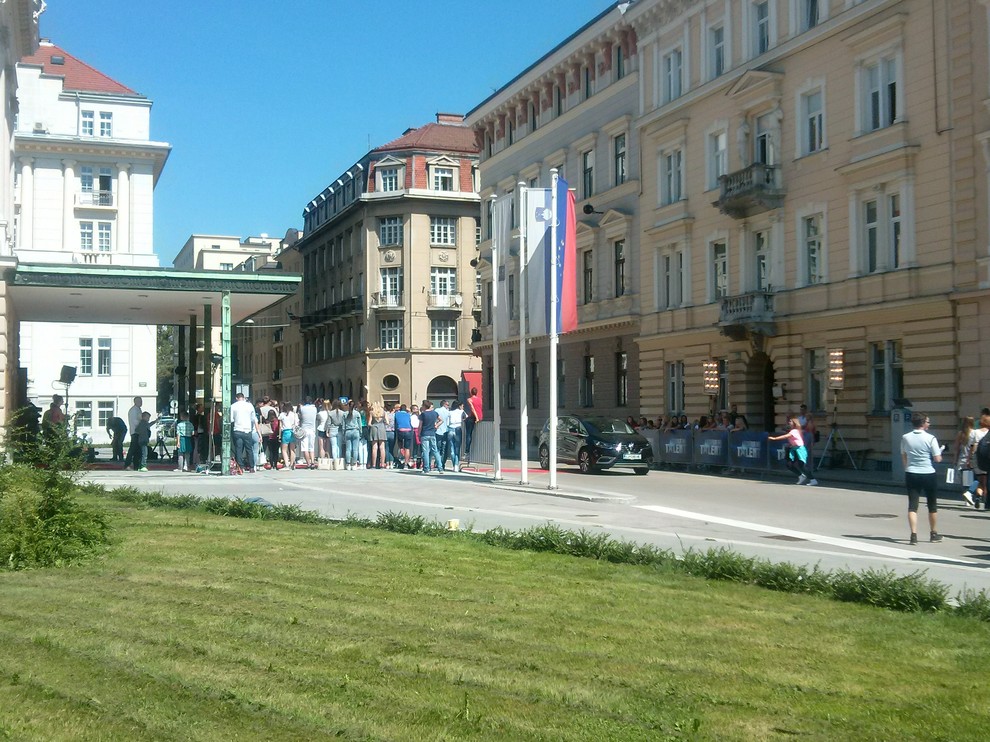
pixel 834 527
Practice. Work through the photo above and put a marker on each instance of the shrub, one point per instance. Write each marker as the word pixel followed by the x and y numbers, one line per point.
pixel 42 524
pixel 885 589
pixel 973 603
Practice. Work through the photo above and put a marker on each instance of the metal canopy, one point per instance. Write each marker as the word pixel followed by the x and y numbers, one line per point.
pixel 139 296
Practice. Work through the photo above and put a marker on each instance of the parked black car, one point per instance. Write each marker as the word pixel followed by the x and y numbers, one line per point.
pixel 595 443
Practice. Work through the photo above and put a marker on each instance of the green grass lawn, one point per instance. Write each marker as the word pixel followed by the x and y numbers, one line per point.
pixel 199 627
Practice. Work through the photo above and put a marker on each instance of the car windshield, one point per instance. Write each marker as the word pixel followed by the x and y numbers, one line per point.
pixel 606 425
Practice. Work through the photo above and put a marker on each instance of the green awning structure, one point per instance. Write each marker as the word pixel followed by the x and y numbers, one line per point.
pixel 97 294
pixel 139 296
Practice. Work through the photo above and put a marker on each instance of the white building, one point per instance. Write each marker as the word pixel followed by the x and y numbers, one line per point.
pixel 85 174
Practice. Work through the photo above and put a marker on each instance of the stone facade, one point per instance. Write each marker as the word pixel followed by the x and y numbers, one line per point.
pixel 814 178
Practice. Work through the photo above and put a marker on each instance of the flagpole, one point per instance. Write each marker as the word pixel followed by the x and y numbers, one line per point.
pixel 496 391
pixel 553 329
pixel 524 308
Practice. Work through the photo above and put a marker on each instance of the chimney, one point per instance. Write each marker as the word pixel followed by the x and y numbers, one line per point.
pixel 452 119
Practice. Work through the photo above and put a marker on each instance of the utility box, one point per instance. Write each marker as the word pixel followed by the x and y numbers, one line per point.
pixel 900 423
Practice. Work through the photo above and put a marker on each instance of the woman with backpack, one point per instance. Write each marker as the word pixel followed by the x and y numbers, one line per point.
pixel 979 459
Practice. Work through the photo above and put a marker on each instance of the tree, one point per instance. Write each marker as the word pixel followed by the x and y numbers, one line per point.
pixel 166 365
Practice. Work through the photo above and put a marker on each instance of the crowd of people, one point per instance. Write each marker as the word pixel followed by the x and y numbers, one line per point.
pixel 343 434
pixel 730 419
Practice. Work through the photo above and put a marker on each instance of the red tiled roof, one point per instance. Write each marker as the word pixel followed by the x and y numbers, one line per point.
pixel 77 75
pixel 438 137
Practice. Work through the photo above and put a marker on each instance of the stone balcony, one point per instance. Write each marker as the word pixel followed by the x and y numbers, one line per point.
pixel 748 314
pixel 752 190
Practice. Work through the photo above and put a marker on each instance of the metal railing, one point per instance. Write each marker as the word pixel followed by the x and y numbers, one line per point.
pixel 386 300
pixel 444 301
pixel 94 198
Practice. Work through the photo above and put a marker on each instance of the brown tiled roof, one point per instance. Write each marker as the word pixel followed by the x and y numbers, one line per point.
pixel 77 75
pixel 435 137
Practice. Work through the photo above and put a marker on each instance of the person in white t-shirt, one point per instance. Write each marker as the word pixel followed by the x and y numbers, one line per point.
pixel 455 427
pixel 307 421
pixel 287 420
pixel 243 422
pixel 919 453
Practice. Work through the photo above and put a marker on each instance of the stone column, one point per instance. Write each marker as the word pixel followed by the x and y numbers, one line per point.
pixel 70 236
pixel 25 229
pixel 123 197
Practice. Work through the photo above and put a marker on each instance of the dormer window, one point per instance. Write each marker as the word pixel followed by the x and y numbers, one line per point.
pixel 444 175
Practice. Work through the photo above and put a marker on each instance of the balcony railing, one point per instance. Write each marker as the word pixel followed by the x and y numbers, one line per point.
pixel 749 191
pixel 748 313
pixel 444 301
pixel 94 198
pixel 342 308
pixel 386 300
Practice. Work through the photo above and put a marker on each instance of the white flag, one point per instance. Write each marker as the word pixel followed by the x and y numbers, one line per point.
pixel 538 219
pixel 501 244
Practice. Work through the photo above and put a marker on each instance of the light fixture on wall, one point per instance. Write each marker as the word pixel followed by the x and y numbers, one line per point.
pixel 836 368
pixel 710 377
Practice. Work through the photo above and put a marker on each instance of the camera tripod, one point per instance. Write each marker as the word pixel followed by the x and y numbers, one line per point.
pixel 834 434
pixel 161 449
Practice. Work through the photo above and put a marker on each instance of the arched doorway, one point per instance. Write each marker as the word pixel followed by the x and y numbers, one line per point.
pixel 756 400
pixel 441 388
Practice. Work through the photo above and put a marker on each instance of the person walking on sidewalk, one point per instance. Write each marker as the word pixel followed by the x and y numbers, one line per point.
pixel 919 453
pixel 797 452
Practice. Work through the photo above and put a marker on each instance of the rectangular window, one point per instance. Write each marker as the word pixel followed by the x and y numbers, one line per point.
pixel 809 14
pixel 871 225
pixel 561 386
pixel 811 235
pixel 84 415
pixel 888 374
pixel 619 264
pixel 675 387
pixel 586 75
pixel 389 178
pixel 106 124
pixel 763 147
pixel 761 27
pixel 588 274
pixel 390 230
pixel 510 290
pixel 761 260
pixel 85 235
pixel 443 282
pixel 621 379
pixel 880 86
pixel 588 174
pixel 718 157
pixel 443 179
pixel 391 286
pixel 443 334
pixel 620 62
pixel 443 230
pixel 534 384
pixel 85 356
pixel 390 334
pixel 716 51
pixel 817 369
pixel 226 266
pixel 104 411
pixel 673 63
pixel 510 386
pixel 105 235
pixel 103 359
pixel 814 122
pixel 720 270
pixel 671 279
pixel 619 158
pixel 87 128
pixel 587 382
pixel 894 230
pixel 672 164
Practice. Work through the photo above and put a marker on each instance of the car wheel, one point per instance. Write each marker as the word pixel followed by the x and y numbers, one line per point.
pixel 584 462
pixel 642 471
pixel 544 457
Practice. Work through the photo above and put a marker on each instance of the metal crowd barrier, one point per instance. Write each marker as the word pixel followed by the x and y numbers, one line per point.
pixel 745 449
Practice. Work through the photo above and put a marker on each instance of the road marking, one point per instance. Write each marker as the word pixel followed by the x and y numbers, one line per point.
pixel 844 543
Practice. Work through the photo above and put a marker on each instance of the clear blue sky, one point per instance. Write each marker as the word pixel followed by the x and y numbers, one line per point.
pixel 264 103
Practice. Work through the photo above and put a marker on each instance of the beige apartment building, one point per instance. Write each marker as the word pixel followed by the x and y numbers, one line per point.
pixel 390 295
pixel 814 186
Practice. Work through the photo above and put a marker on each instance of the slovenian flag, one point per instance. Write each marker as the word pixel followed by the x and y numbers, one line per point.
pixel 566 249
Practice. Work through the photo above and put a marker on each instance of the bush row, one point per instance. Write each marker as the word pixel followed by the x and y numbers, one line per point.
pixel 880 588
